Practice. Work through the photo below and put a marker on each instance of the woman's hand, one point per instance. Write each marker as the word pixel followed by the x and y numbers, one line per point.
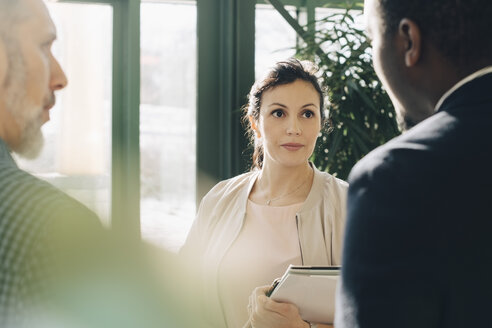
pixel 266 313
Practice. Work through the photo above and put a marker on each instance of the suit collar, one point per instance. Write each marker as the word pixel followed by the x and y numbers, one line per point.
pixel 467 83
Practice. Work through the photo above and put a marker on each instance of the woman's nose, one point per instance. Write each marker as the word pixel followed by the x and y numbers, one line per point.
pixel 294 127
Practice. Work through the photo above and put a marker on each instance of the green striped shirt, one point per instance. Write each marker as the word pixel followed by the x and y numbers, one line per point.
pixel 35 219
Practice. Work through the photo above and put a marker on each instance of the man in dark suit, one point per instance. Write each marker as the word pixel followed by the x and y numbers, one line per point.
pixel 418 245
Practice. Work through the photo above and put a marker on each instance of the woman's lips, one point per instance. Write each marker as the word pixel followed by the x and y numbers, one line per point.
pixel 292 146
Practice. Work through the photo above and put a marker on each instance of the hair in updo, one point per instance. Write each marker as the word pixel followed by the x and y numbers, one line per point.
pixel 281 73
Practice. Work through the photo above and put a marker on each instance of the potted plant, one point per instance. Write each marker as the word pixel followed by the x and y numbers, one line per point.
pixel 360 111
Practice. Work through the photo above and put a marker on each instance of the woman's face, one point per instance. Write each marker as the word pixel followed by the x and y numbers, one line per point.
pixel 289 123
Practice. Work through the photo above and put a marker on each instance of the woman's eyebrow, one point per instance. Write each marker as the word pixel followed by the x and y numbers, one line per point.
pixel 310 104
pixel 277 104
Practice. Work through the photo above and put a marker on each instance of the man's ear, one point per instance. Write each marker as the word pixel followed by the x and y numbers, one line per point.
pixel 410 34
pixel 4 62
pixel 254 126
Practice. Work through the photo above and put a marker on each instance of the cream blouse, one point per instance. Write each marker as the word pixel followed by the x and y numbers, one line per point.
pixel 220 219
pixel 266 245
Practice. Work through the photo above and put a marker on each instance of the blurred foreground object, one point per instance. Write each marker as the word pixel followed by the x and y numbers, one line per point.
pixel 58 266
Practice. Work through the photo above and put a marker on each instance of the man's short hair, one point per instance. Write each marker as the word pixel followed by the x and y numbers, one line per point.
pixel 460 29
pixel 6 5
pixel 10 14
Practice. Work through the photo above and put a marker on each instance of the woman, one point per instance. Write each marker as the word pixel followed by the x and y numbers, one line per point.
pixel 285 211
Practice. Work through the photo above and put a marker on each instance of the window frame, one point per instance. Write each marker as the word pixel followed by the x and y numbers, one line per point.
pixel 125 155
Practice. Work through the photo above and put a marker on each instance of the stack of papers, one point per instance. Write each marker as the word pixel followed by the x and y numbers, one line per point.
pixel 311 288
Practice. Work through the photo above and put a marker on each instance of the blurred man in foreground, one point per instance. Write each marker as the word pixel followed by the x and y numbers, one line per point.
pixel 31 211
pixel 417 246
pixel 58 266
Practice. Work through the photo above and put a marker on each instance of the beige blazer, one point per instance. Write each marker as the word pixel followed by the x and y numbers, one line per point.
pixel 320 224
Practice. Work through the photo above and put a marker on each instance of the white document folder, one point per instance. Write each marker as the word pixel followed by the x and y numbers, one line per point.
pixel 312 289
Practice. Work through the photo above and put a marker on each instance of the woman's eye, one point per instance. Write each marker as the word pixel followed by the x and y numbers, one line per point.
pixel 277 113
pixel 308 114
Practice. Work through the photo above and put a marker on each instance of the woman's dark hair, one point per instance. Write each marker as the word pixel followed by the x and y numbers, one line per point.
pixel 283 72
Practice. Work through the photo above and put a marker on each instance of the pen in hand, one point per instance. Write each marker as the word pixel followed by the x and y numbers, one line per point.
pixel 272 288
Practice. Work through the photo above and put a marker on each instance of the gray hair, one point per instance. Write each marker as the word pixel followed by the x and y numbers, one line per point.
pixel 10 14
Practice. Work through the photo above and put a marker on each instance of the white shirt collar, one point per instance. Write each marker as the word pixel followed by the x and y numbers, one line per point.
pixel 467 79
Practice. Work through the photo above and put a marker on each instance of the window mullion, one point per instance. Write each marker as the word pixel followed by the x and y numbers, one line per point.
pixel 126 103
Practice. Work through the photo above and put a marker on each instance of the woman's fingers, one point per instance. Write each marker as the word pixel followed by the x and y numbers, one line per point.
pixel 285 309
pixel 265 312
pixel 262 290
pixel 258 292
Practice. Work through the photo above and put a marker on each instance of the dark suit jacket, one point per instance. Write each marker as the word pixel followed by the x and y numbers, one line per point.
pixel 418 243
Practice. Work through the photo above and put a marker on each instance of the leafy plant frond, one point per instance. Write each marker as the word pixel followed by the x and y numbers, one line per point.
pixel 361 111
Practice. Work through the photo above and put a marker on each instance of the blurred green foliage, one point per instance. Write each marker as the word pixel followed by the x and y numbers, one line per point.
pixel 361 114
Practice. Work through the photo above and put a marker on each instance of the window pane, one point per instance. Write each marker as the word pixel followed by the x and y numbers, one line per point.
pixel 77 153
pixel 326 28
pixel 167 121
pixel 321 13
pixel 275 38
